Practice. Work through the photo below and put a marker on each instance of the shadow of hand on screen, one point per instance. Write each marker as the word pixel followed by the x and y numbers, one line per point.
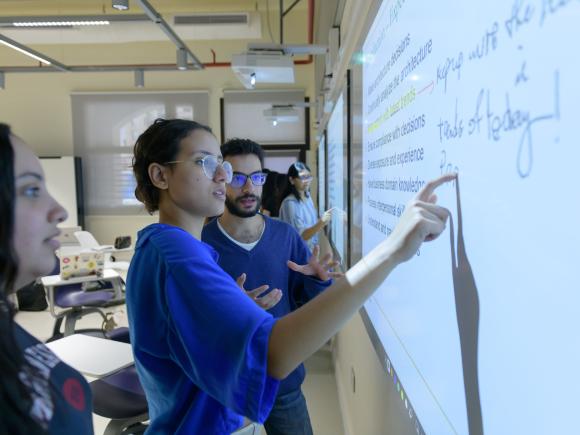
pixel 467 308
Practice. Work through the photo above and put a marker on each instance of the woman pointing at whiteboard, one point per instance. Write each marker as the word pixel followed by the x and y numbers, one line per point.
pixel 206 354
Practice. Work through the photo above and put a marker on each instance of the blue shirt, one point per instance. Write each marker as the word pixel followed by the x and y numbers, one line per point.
pixel 200 345
pixel 266 264
pixel 301 215
pixel 61 397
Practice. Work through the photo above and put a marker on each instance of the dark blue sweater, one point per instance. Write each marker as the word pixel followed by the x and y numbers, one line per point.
pixel 266 264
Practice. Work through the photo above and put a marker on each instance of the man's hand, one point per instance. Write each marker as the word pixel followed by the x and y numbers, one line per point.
pixel 320 269
pixel 265 302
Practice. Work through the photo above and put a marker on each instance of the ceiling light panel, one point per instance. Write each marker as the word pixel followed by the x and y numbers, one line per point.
pixel 60 23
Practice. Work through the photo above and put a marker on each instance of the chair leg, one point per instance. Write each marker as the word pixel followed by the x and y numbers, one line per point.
pixel 57 325
pixel 71 319
pixel 129 426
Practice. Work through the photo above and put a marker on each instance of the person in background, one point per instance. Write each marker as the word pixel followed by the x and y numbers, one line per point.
pixel 207 354
pixel 297 208
pixel 256 250
pixel 273 194
pixel 268 206
pixel 279 190
pixel 39 394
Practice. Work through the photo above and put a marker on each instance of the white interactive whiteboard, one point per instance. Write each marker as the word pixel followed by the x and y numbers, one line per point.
pixel 481 328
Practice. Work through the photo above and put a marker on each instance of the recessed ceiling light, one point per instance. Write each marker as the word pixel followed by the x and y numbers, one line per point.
pixel 121 5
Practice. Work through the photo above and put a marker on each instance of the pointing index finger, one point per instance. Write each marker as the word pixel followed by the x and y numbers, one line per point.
pixel 426 192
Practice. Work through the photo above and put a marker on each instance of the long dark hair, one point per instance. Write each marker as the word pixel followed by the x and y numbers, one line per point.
pixel 290 188
pixel 15 401
pixel 158 144
pixel 269 198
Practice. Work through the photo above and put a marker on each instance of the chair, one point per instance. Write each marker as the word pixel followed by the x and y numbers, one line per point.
pixel 78 303
pixel 74 301
pixel 120 396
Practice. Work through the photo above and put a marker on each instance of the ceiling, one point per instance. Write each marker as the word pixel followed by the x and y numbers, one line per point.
pixel 143 42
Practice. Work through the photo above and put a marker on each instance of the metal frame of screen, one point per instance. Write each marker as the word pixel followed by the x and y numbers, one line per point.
pixel 345 262
pixel 354 256
pixel 320 171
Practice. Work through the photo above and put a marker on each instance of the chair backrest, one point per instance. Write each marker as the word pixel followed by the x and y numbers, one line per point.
pixel 86 240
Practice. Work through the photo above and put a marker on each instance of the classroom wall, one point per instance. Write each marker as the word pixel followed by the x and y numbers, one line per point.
pixel 38 105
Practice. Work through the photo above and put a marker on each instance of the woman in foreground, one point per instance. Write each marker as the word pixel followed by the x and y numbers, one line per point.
pixel 206 354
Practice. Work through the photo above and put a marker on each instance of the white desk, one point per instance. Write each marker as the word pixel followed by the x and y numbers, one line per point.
pixel 93 356
pixel 52 281
pixel 69 314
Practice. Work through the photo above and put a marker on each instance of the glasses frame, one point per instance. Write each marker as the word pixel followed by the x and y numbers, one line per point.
pixel 301 168
pixel 226 166
pixel 246 176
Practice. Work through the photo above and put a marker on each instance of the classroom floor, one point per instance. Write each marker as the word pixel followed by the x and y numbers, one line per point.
pixel 319 387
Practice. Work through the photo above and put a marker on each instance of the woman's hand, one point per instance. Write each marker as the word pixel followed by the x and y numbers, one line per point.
pixel 422 221
pixel 326 216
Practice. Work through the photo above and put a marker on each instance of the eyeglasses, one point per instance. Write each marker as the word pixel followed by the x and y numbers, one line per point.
pixel 239 179
pixel 300 167
pixel 210 165
pixel 303 172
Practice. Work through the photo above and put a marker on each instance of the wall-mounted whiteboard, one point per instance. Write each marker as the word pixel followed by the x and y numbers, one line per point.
pixel 481 328
pixel 106 126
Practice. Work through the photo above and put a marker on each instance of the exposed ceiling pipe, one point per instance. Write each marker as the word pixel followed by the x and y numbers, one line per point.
pixel 155 67
pixel 51 63
pixel 306 61
pixel 310 33
pixel 158 19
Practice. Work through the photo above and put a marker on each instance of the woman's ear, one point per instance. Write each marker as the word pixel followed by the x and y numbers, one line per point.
pixel 158 175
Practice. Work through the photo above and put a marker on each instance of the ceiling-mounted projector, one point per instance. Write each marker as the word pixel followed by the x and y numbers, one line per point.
pixel 282 114
pixel 252 68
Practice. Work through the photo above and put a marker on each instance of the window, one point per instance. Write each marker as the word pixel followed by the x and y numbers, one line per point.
pixel 105 128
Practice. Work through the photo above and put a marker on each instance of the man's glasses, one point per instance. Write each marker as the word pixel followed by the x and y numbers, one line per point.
pixel 239 179
pixel 210 165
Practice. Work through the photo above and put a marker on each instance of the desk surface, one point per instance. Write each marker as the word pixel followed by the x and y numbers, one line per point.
pixel 93 356
pixel 56 280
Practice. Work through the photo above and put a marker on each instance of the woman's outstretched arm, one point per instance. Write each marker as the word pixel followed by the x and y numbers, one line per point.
pixel 299 334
